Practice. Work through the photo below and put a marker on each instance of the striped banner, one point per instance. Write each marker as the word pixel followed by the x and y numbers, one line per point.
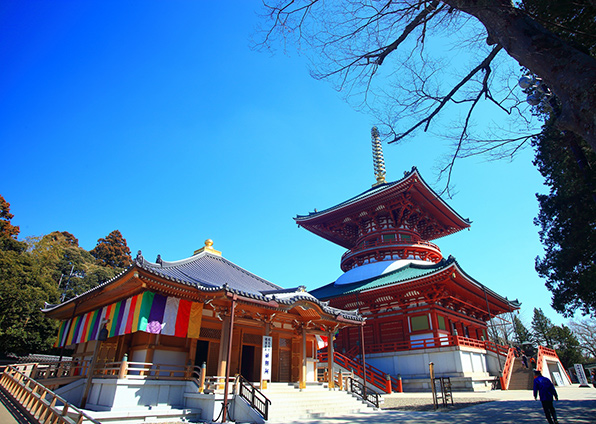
pixel 147 311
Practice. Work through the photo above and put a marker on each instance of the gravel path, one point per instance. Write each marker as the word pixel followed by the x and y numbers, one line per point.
pixel 425 404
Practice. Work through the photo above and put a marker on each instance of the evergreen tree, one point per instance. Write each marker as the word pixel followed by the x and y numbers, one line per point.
pixel 567 346
pixel 567 215
pixel 567 220
pixel 542 329
pixel 112 251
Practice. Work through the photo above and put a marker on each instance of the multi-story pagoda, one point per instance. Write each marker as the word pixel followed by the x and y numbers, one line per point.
pixel 415 300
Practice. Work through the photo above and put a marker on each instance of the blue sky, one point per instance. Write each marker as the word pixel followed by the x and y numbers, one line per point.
pixel 157 119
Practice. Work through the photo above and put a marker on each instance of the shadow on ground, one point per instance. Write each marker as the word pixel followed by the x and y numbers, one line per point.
pixel 507 411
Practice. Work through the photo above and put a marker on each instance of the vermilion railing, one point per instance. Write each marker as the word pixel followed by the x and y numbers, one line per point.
pixel 374 376
pixel 508 369
pixel 441 341
pixel 542 352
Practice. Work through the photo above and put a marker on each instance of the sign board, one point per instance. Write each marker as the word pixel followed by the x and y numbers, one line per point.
pixel 558 379
pixel 581 375
pixel 266 358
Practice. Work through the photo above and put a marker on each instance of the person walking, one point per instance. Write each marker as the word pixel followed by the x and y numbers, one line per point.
pixel 545 388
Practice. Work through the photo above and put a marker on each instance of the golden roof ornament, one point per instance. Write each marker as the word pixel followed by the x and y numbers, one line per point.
pixel 378 160
pixel 208 248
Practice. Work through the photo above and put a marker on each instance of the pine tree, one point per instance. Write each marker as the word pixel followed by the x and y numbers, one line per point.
pixel 112 251
pixel 542 329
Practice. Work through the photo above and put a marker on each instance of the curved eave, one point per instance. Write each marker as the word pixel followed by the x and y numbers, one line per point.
pixel 105 294
pixel 448 266
pixel 378 194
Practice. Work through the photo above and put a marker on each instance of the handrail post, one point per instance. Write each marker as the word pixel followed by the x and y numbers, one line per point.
pixel 202 377
pixel 123 372
pixel 387 384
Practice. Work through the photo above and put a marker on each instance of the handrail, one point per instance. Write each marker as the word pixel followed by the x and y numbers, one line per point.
pixel 362 392
pixel 432 342
pixel 508 369
pixel 373 375
pixel 40 402
pixel 390 243
pixel 254 397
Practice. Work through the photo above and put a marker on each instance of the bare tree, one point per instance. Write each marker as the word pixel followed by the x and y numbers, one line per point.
pixel 349 41
pixel 585 331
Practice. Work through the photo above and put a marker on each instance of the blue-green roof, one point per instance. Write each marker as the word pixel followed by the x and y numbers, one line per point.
pixel 407 273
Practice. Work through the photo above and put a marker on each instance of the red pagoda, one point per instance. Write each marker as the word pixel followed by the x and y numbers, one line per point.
pixel 416 302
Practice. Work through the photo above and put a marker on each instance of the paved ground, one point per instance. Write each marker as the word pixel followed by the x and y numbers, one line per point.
pixel 575 406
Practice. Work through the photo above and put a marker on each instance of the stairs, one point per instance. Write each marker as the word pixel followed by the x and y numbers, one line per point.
pixel 288 403
pixel 522 378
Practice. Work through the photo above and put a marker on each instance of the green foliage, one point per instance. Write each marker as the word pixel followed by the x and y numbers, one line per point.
pixel 112 251
pixel 30 273
pixel 567 220
pixel 567 215
pixel 572 21
pixel 567 346
pixel 523 335
pixel 542 329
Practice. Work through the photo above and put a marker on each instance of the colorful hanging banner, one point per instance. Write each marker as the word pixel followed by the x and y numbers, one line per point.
pixel 147 311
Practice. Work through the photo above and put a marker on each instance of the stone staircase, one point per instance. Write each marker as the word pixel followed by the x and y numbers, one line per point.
pixel 288 403
pixel 522 378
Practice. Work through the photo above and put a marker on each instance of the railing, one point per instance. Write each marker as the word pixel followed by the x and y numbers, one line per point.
pixel 361 391
pixel 433 342
pixel 254 397
pixel 52 370
pixel 391 243
pixel 374 376
pixel 143 370
pixel 41 403
pixel 508 369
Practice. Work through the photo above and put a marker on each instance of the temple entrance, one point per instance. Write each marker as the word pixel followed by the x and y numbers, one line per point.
pixel 202 352
pixel 247 368
pixel 285 365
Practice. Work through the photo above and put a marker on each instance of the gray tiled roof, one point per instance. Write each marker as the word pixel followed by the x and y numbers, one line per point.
pixel 208 270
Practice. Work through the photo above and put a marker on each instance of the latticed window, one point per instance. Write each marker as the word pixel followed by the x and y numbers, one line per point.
pixel 210 333
pixel 252 339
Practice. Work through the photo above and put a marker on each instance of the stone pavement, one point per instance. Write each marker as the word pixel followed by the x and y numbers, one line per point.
pixel 575 406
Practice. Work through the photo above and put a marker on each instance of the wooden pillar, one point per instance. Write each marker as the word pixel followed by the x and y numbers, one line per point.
pixel 229 359
pixel 330 360
pixel 434 323
pixel 223 343
pixel 363 358
pixel 302 383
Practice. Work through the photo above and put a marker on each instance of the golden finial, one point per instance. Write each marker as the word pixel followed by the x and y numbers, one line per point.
pixel 208 248
pixel 378 160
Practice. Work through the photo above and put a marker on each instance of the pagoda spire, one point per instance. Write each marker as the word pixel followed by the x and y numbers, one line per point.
pixel 378 160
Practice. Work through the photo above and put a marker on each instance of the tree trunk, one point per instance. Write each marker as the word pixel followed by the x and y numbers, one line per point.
pixel 569 73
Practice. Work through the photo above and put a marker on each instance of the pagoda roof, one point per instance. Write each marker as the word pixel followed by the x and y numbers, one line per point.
pixel 205 273
pixel 422 194
pixel 409 273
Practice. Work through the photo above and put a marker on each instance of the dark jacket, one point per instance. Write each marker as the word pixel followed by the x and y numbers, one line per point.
pixel 545 388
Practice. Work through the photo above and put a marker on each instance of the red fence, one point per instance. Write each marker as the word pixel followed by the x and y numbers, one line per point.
pixel 374 376
pixel 441 341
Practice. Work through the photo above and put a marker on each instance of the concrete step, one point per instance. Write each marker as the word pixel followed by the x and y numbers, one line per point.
pixel 144 415
pixel 316 400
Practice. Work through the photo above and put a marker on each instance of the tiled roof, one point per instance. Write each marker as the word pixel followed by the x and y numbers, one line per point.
pixel 379 189
pixel 410 272
pixel 208 270
pixel 407 273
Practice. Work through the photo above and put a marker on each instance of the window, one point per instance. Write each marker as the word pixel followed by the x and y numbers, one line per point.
pixel 388 237
pixel 420 323
pixel 441 320
pixel 405 237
